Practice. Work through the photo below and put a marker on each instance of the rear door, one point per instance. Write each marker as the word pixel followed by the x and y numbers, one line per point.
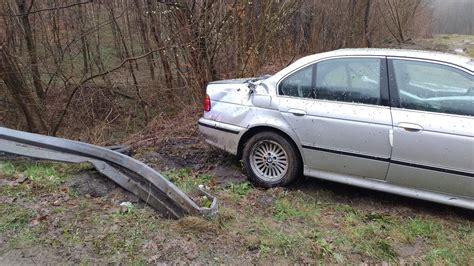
pixel 433 120
pixel 339 110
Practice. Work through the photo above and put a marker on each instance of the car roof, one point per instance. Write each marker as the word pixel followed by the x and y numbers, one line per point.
pixel 459 60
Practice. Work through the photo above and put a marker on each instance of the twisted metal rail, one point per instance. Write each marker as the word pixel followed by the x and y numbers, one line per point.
pixel 131 174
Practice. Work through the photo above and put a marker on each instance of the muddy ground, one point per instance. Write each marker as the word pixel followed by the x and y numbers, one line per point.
pixel 79 220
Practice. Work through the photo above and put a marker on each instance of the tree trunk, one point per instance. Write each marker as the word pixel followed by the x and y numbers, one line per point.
pixel 156 30
pixel 145 38
pixel 29 104
pixel 31 46
pixel 368 38
pixel 84 44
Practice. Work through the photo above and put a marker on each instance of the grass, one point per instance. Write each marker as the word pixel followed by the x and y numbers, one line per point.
pixel 14 217
pixel 43 174
pixel 277 242
pixel 417 227
pixel 470 51
pixel 240 189
pixel 7 168
pixel 290 227
pixel 292 206
pixel 186 179
pixel 453 41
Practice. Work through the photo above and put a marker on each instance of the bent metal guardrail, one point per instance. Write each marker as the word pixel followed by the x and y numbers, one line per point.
pixel 131 174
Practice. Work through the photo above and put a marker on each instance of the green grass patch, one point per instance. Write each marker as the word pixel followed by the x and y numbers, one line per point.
pixel 20 191
pixel 239 190
pixel 186 179
pixel 129 232
pixel 294 205
pixel 417 227
pixel 292 242
pixel 117 236
pixel 372 240
pixel 274 241
pixel 285 209
pixel 42 174
pixel 367 233
pixel 377 235
pixel 7 168
pixel 26 237
pixel 14 217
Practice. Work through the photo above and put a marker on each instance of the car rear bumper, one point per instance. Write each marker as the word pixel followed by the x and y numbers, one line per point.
pixel 221 135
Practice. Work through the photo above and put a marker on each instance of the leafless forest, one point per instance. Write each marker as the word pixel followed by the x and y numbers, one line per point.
pixel 453 16
pixel 84 69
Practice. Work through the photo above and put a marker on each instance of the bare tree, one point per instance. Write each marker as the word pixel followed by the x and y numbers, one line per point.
pixel 368 38
pixel 30 44
pixel 399 16
pixel 29 104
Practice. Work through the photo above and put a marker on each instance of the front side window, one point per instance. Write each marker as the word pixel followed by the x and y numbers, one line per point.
pixel 349 80
pixel 434 87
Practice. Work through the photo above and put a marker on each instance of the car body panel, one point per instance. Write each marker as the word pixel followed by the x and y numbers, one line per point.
pixel 439 154
pixel 438 158
pixel 221 135
pixel 352 143
pixel 408 191
pixel 361 145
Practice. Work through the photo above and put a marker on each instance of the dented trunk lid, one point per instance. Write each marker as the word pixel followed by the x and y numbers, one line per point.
pixel 236 91
pixel 231 99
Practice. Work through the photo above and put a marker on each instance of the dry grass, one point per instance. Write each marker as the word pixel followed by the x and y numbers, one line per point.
pixel 164 127
pixel 196 225
pixel 451 43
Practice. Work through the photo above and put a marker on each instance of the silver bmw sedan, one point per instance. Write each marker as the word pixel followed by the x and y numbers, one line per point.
pixel 398 121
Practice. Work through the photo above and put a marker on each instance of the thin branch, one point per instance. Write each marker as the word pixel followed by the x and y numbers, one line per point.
pixel 172 3
pixel 77 87
pixel 46 9
pixel 31 6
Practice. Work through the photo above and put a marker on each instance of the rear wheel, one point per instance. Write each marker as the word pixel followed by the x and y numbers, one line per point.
pixel 271 160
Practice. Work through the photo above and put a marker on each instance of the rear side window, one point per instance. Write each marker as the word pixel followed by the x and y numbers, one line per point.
pixel 354 80
pixel 349 80
pixel 298 84
pixel 434 87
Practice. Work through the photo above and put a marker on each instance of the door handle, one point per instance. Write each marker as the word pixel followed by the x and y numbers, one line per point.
pixel 297 112
pixel 410 127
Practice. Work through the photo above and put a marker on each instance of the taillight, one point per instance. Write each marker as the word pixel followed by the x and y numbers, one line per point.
pixel 207 103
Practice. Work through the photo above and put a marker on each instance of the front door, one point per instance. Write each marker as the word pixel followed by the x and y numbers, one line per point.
pixel 339 110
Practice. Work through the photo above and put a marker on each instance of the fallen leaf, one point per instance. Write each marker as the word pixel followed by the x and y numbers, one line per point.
pixel 21 179
pixel 151 245
pixel 36 221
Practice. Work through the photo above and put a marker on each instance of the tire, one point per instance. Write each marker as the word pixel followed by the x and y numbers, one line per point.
pixel 271 160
